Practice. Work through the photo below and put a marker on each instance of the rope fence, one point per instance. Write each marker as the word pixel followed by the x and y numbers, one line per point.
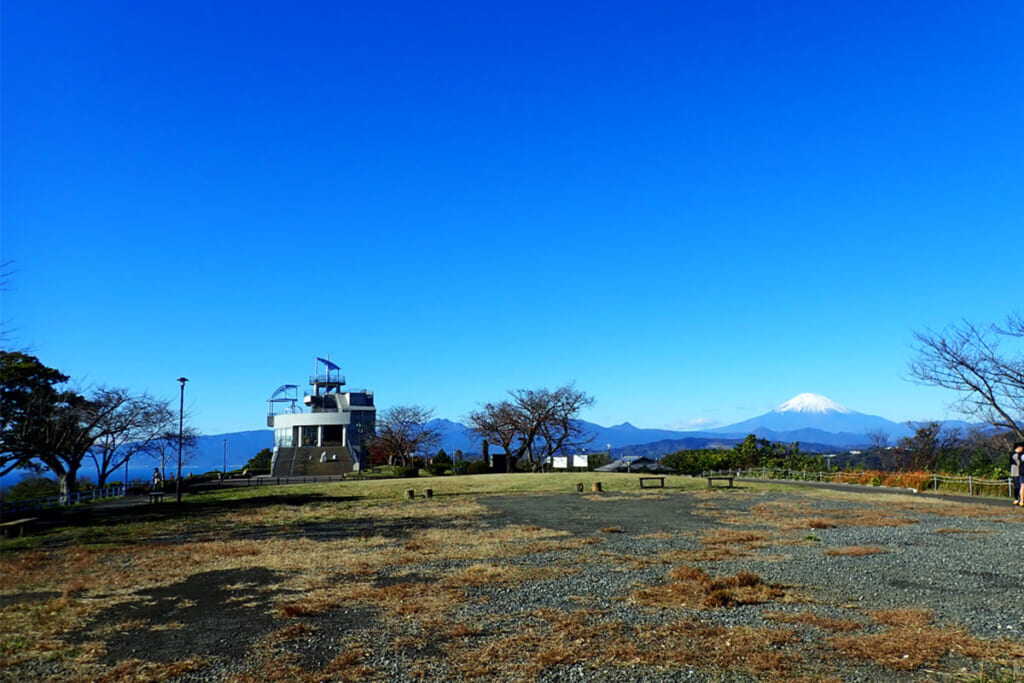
pixel 918 481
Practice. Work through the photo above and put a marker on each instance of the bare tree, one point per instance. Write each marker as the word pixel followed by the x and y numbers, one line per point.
pixel 968 359
pixel 402 431
pixel 533 423
pixel 164 449
pixel 878 446
pixel 65 436
pixel 128 426
pixel 498 424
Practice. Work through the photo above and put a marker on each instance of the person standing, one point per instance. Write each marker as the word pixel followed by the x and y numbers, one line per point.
pixel 1017 472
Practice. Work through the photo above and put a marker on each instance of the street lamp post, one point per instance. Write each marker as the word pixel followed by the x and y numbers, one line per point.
pixel 224 472
pixel 181 437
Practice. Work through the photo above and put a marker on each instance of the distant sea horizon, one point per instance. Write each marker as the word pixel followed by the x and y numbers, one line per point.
pixel 136 473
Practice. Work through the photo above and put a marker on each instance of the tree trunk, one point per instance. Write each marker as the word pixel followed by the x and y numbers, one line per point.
pixel 68 483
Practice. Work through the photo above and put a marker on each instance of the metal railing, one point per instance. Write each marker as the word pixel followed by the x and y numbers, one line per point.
pixel 938 482
pixel 62 501
pixel 269 480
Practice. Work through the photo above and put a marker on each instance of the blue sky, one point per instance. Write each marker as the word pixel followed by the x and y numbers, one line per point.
pixel 693 210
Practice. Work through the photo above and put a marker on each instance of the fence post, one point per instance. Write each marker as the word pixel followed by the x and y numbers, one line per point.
pixel 970 485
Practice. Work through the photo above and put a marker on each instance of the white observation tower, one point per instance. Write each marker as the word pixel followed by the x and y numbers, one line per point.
pixel 324 435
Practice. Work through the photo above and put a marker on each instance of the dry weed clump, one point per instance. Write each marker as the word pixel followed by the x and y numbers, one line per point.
pixel 636 562
pixel 759 651
pixel 348 666
pixel 538 641
pixel 908 617
pixel 802 514
pixel 693 588
pixel 480 544
pixel 147 672
pixel 488 574
pixel 911 641
pixel 287 634
pixel 397 600
pixel 725 544
pixel 811 619
pixel 855 551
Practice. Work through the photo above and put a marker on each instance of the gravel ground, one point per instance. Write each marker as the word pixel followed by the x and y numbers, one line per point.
pixel 968 570
pixel 971 578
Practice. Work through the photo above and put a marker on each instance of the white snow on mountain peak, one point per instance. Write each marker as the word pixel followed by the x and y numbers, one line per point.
pixel 811 403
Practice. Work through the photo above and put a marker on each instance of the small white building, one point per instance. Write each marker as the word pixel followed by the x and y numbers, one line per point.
pixel 323 435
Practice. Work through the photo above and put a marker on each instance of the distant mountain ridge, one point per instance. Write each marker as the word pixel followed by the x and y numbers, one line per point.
pixel 818 423
pixel 814 417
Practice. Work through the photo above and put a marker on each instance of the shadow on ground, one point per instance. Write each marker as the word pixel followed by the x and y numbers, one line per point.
pixel 129 511
pixel 586 515
pixel 215 614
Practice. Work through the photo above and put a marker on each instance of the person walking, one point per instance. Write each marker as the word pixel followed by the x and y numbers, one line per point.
pixel 1017 472
pixel 157 479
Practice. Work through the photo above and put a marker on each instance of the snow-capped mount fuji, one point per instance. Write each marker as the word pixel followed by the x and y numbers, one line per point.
pixel 811 403
pixel 810 415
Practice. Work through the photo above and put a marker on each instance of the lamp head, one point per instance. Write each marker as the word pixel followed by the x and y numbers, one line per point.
pixel 182 380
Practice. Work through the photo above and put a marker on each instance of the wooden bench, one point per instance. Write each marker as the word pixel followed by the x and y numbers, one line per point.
pixel 721 478
pixel 156 496
pixel 18 524
pixel 660 484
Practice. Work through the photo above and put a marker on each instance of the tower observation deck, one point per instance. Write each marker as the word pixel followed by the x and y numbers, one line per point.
pixel 323 435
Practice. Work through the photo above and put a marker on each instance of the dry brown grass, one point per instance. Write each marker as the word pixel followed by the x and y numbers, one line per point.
pixel 825 623
pixel 755 651
pixel 549 638
pixel 908 617
pixel 855 551
pixel 693 588
pixel 806 513
pixel 911 641
pixel 419 605
pixel 130 670
pixel 727 544
pixel 662 535
pixel 348 666
pixel 489 574
pixel 906 480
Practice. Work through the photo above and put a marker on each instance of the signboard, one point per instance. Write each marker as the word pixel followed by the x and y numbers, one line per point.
pixel 581 461
pixel 560 462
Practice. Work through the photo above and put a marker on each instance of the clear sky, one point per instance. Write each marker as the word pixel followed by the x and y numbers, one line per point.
pixel 693 210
